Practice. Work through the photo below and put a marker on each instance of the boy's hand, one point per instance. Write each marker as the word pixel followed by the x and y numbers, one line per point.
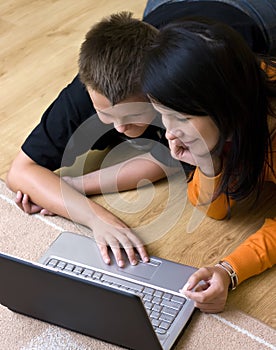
pixel 24 203
pixel 210 295
pixel 110 231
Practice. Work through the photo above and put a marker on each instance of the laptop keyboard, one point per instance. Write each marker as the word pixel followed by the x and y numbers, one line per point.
pixel 162 307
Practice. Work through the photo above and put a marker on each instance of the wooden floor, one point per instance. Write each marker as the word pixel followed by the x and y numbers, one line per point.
pixel 39 45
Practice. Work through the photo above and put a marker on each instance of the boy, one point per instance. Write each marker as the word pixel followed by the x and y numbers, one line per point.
pixel 111 46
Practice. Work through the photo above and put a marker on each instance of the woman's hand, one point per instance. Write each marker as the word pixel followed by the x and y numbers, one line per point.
pixel 110 231
pixel 210 165
pixel 24 203
pixel 208 288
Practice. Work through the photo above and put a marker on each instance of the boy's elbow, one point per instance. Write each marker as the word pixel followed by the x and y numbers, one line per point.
pixel 10 178
pixel 17 170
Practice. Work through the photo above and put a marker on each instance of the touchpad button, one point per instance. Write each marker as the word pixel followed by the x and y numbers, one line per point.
pixel 144 270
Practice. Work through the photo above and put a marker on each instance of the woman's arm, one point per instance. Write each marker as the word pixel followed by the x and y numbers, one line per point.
pixel 256 254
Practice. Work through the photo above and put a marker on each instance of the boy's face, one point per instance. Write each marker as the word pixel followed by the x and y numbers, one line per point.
pixel 130 116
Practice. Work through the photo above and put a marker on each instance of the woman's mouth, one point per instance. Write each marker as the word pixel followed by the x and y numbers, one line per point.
pixel 184 144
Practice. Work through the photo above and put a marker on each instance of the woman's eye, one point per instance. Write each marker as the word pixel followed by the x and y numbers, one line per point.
pixel 181 118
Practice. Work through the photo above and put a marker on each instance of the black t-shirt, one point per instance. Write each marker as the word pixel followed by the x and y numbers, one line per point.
pixel 70 125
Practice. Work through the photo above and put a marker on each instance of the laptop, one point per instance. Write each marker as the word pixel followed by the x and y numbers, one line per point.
pixel 136 307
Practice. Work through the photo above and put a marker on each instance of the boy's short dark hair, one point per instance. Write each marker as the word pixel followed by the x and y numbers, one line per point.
pixel 111 56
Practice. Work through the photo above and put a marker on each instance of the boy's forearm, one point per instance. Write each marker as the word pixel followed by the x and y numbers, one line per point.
pixel 48 191
pixel 123 176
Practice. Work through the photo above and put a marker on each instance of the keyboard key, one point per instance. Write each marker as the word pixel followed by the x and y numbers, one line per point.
pixel 69 267
pixel 60 265
pixel 156 300
pixel 156 307
pixel 148 305
pixel 165 325
pixel 148 290
pixel 158 293
pixel 78 270
pixel 52 262
pixel 160 330
pixel 167 296
pixel 97 275
pixel 170 311
pixel 147 297
pixel 87 273
pixel 166 317
pixel 155 315
pixel 178 299
pixel 155 322
pixel 171 304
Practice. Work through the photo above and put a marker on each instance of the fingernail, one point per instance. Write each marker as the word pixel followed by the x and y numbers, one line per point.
pixel 182 292
pixel 107 261
pixel 146 259
pixel 17 194
pixel 186 287
pixel 121 263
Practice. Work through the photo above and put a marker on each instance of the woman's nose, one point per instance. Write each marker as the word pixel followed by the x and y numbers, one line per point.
pixel 171 126
pixel 169 135
pixel 172 134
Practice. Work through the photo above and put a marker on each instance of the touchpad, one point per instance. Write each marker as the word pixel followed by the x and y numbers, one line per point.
pixel 142 270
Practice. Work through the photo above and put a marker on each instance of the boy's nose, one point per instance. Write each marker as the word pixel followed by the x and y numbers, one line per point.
pixel 121 127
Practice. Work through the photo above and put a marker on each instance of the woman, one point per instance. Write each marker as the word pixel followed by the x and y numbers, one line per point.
pixel 216 102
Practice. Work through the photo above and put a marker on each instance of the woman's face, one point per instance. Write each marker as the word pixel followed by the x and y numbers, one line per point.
pixel 191 138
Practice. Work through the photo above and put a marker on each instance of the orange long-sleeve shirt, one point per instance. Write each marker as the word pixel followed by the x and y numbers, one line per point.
pixel 258 252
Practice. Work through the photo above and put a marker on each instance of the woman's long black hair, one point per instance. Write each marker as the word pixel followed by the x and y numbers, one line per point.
pixel 204 68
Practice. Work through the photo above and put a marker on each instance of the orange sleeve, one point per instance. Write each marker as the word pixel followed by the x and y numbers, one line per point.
pixel 201 192
pixel 256 254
